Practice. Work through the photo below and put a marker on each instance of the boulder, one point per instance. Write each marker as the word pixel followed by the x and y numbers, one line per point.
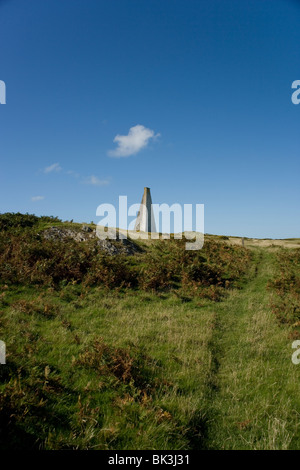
pixel 86 228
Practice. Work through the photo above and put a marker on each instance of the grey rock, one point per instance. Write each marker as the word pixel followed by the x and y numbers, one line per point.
pixel 86 228
pixel 57 233
pixel 108 247
pixel 121 245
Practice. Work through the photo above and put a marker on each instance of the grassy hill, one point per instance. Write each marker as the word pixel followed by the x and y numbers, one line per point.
pixel 162 349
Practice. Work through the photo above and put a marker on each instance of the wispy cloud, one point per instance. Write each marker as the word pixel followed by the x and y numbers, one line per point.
pixel 91 180
pixel 137 138
pixel 73 173
pixel 37 198
pixel 55 167
pixel 95 181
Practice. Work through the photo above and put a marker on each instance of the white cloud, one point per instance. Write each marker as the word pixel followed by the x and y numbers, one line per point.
pixel 138 137
pixel 55 167
pixel 95 181
pixel 37 198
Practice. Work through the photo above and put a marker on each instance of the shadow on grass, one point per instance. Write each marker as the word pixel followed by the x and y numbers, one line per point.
pixel 198 431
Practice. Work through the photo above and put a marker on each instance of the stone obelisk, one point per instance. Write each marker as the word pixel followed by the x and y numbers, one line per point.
pixel 145 221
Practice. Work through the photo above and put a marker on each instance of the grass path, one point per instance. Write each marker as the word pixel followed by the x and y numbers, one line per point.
pixel 253 397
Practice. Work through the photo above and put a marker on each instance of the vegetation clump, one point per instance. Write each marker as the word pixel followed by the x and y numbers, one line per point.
pixel 286 288
pixel 29 258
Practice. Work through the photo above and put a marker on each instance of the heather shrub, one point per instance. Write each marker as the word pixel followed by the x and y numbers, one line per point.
pixel 285 302
pixel 171 265
pixel 29 258
pixel 12 221
pixel 129 366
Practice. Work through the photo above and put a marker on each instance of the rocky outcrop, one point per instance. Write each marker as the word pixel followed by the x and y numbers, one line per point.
pixel 58 233
pixel 120 245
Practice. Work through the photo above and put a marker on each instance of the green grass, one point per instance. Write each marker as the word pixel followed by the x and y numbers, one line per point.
pixel 163 330
pixel 256 401
pixel 201 361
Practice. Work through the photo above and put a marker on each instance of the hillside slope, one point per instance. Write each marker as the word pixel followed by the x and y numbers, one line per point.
pixel 162 349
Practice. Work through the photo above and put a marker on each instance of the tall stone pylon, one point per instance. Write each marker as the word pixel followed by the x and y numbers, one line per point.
pixel 145 221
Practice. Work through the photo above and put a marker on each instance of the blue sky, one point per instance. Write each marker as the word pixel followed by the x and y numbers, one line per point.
pixel 208 83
